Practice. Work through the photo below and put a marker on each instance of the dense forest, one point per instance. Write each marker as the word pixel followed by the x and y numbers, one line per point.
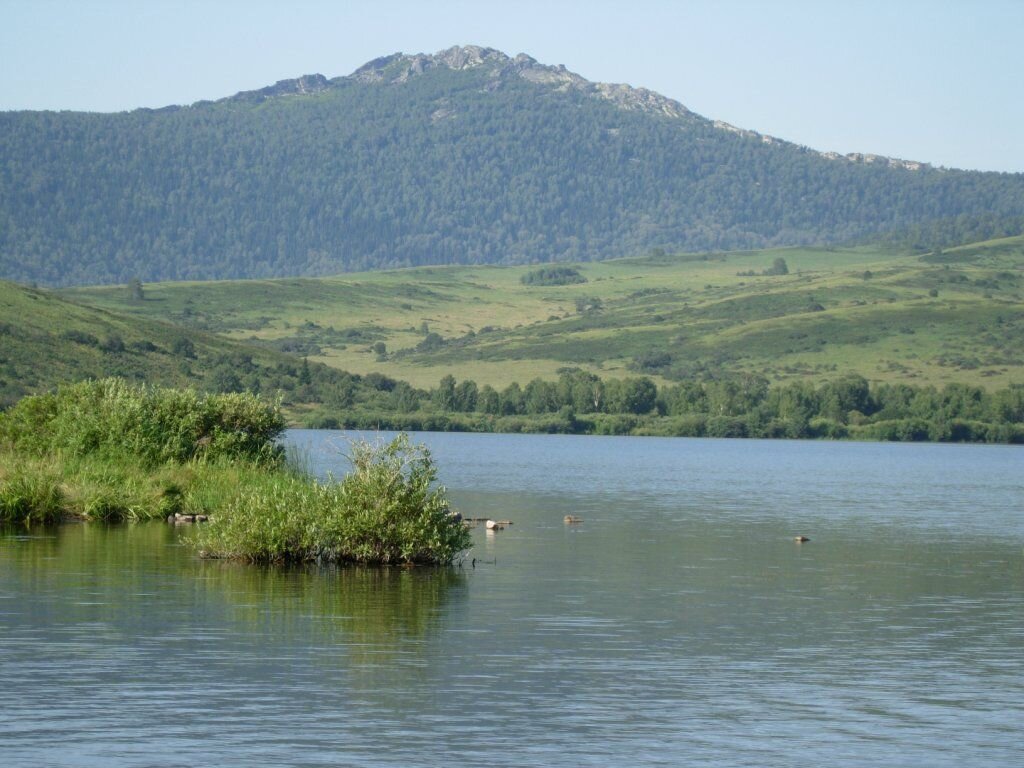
pixel 475 159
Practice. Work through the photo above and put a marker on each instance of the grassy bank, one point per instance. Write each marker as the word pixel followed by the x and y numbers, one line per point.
pixel 752 425
pixel 111 451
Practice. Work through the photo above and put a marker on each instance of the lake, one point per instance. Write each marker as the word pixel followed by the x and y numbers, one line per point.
pixel 678 624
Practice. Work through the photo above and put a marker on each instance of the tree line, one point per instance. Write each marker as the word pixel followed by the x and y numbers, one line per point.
pixel 742 406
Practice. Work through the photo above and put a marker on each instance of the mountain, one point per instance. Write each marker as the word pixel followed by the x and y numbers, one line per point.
pixel 468 156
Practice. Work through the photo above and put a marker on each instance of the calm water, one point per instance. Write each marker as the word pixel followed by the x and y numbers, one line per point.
pixel 680 624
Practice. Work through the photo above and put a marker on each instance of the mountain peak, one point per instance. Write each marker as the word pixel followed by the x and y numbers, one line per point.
pixel 400 68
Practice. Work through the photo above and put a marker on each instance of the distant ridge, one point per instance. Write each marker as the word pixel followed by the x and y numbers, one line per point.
pixel 463 156
pixel 399 68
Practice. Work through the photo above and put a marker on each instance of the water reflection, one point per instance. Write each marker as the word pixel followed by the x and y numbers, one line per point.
pixel 382 608
pixel 109 574
pixel 678 624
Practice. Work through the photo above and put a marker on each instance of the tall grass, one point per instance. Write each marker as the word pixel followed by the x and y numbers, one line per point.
pixel 151 424
pixel 388 510
pixel 31 494
pixel 112 451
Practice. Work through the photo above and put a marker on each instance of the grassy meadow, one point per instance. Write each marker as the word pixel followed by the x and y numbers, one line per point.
pixel 891 316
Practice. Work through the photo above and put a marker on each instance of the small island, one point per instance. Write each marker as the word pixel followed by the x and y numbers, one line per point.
pixel 113 451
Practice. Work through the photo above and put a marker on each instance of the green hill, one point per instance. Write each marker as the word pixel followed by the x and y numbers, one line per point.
pixel 464 157
pixel 46 340
pixel 949 316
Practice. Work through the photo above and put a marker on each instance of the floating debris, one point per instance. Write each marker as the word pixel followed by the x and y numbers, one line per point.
pixel 572 519
pixel 492 525
pixel 800 539
pixel 180 519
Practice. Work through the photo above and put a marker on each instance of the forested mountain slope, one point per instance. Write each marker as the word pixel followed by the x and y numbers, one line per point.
pixel 464 157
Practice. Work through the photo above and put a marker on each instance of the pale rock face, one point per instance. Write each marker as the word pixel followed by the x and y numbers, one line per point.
pixel 302 86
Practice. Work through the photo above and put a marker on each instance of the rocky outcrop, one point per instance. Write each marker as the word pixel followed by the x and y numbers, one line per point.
pixel 868 159
pixel 300 86
pixel 399 68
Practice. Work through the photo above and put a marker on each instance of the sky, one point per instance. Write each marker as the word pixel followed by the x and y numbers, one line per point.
pixel 934 81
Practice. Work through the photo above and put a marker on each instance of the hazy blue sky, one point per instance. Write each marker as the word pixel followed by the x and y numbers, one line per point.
pixel 934 81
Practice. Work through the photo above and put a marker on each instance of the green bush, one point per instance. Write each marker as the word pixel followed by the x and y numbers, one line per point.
pixel 110 451
pixel 553 276
pixel 827 428
pixel 388 510
pixel 152 424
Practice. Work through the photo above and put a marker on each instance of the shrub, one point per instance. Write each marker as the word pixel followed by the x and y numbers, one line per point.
pixel 152 424
pixel 113 343
pixel 553 276
pixel 725 426
pixel 183 347
pixel 388 510
pixel 828 428
pixel 81 337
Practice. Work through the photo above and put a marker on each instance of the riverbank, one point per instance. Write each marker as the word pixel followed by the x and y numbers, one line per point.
pixel 111 451
pixel 753 426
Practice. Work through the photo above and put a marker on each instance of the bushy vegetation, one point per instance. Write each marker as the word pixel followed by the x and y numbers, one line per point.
pixel 519 171
pixel 746 406
pixel 29 493
pixel 154 425
pixel 649 328
pixel 47 341
pixel 388 510
pixel 553 276
pixel 112 451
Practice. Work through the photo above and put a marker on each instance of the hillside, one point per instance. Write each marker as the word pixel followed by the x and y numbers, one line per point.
pixel 46 340
pixel 892 317
pixel 464 157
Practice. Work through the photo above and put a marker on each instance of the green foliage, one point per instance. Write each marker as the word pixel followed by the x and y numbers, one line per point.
pixel 657 308
pixel 109 451
pixel 135 290
pixel 388 510
pixel 29 493
pixel 553 276
pixel 520 171
pixel 152 424
pixel 52 487
pixel 746 406
pixel 778 267
pixel 46 341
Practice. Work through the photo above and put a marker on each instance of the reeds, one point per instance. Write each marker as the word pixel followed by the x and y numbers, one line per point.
pixel 111 451
pixel 388 510
pixel 152 424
